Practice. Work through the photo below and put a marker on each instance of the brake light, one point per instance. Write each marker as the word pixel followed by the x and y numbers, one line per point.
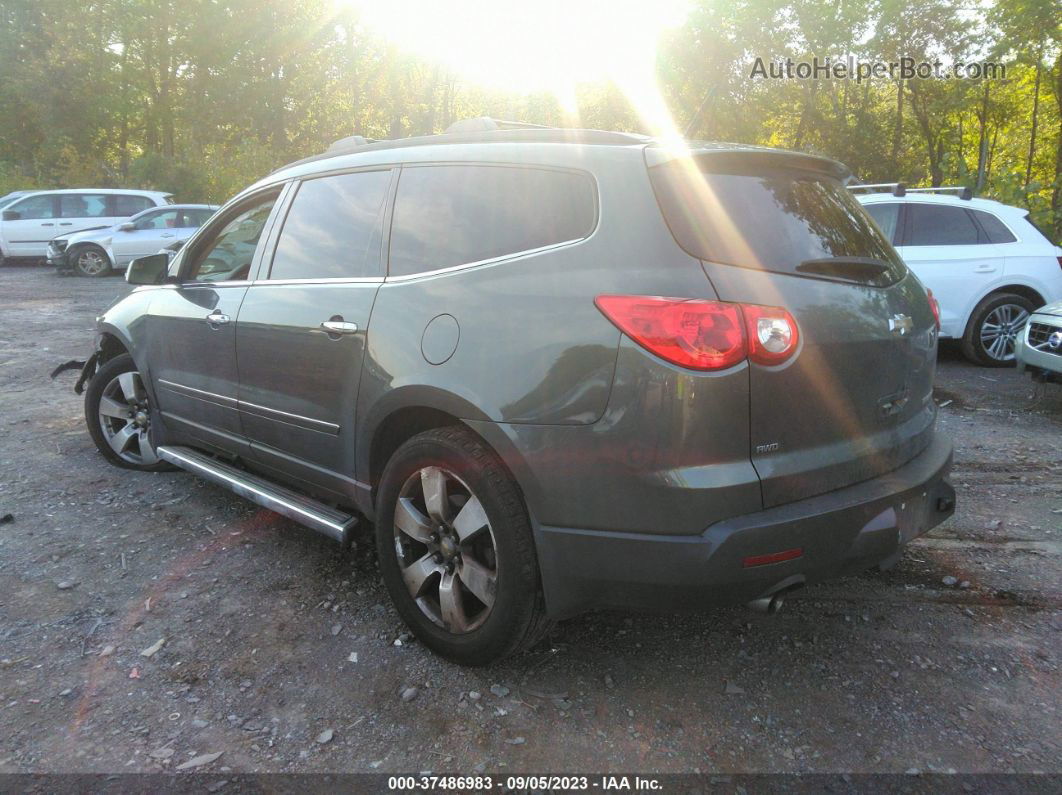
pixel 934 306
pixel 703 335
pixel 773 333
pixel 700 335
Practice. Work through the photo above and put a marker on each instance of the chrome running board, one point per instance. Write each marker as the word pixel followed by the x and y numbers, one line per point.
pixel 302 509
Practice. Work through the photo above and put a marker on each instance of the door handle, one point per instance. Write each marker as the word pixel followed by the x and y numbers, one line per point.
pixel 48 224
pixel 167 234
pixel 216 318
pixel 985 269
pixel 339 327
pixel 67 223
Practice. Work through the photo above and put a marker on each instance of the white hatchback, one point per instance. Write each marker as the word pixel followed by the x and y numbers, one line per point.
pixel 29 222
pixel 985 262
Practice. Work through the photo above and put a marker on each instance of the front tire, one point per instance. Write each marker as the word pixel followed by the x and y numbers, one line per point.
pixel 91 260
pixel 456 551
pixel 994 328
pixel 118 415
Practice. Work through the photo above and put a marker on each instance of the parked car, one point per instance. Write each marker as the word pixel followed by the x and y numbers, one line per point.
pixel 30 222
pixel 1039 346
pixel 558 369
pixel 984 261
pixel 97 251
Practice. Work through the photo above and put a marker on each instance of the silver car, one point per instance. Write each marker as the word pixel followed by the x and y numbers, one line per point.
pixel 96 251
pixel 1039 346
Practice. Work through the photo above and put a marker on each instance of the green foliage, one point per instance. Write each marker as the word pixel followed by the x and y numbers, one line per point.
pixel 203 97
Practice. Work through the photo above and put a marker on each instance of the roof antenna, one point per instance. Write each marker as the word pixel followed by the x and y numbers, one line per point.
pixel 697 116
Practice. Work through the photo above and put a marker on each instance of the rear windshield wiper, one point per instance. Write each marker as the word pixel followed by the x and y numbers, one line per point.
pixel 845 267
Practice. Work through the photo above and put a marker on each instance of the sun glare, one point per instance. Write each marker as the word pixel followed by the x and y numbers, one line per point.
pixel 545 46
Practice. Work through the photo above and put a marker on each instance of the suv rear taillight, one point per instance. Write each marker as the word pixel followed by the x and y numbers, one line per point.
pixel 773 333
pixel 934 305
pixel 703 335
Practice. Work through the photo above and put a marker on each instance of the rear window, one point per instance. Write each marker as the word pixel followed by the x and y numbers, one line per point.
pixel 938 225
pixel 126 204
pixel 456 215
pixel 995 229
pixel 773 218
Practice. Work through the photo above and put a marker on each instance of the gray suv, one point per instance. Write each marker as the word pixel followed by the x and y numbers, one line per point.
pixel 558 370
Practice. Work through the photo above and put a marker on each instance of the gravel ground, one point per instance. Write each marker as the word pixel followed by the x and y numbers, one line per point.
pixel 147 619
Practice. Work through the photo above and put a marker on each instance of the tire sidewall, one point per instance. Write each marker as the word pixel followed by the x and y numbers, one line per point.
pixel 972 345
pixel 518 587
pixel 75 255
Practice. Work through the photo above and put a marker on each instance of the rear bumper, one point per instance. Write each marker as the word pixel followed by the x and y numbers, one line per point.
pixel 848 530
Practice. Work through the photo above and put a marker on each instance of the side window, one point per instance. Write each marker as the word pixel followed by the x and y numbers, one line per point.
pixel 227 255
pixel 454 215
pixel 165 219
pixel 126 205
pixel 83 205
pixel 938 225
pixel 34 207
pixel 333 229
pixel 886 217
pixel 195 218
pixel 995 229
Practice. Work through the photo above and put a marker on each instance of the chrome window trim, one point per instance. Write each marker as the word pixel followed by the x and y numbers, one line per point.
pixel 333 280
pixel 192 285
pixel 491 261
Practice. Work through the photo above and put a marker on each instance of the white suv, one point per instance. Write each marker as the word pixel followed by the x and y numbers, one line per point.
pixel 29 222
pixel 986 264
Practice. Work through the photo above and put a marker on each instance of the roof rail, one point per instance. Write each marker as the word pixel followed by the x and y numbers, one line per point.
pixel 487 124
pixel 901 189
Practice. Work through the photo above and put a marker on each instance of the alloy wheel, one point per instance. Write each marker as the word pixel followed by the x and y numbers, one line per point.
pixel 91 262
pixel 1000 329
pixel 125 419
pixel 446 550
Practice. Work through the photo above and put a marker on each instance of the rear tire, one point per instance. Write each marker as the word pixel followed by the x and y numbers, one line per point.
pixel 90 260
pixel 473 540
pixel 993 329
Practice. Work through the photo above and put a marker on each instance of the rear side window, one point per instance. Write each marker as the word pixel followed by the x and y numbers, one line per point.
pixel 83 205
pixel 938 225
pixel 886 217
pixel 195 218
pixel 779 219
pixel 455 215
pixel 994 229
pixel 333 229
pixel 126 205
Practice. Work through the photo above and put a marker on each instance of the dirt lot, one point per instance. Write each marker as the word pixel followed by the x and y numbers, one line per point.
pixel 260 621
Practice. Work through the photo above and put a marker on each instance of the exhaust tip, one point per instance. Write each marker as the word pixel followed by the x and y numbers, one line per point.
pixel 771 604
pixel 768 605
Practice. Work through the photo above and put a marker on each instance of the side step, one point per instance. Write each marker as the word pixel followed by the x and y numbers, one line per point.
pixel 302 509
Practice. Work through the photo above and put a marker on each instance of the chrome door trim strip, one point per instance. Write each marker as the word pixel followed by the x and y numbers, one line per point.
pixel 308 423
pixel 199 394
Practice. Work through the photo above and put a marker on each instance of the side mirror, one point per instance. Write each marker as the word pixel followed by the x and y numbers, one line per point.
pixel 174 247
pixel 12 215
pixel 148 270
pixel 128 226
